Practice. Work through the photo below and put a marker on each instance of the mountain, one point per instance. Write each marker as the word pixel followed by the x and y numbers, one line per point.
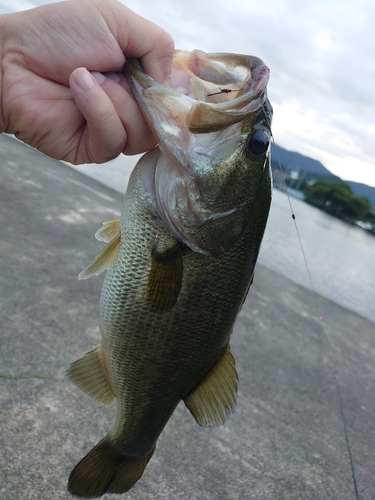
pixel 296 161
pixel 291 160
pixel 363 190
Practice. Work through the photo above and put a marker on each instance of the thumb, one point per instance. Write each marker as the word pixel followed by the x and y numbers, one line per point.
pixel 103 137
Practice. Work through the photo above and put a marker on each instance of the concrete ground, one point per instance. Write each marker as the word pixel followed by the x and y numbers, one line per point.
pixel 286 439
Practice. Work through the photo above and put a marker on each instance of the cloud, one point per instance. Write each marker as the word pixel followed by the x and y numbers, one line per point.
pixel 321 60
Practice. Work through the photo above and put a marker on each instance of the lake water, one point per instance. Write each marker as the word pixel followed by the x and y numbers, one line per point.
pixel 340 257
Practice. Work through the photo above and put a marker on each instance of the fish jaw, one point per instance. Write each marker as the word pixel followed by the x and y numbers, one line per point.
pixel 177 114
pixel 203 137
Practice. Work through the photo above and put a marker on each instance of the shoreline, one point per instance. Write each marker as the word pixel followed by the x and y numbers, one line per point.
pixel 285 440
pixel 115 175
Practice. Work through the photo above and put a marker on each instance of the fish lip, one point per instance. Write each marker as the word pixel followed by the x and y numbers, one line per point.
pixel 134 69
pixel 210 116
pixel 259 71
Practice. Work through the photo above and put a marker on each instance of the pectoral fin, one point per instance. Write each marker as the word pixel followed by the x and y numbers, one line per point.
pixel 165 279
pixel 89 375
pixel 110 233
pixel 214 399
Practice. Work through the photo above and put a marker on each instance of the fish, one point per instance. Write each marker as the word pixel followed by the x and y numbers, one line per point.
pixel 179 262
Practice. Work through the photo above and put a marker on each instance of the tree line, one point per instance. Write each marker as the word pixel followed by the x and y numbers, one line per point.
pixel 338 200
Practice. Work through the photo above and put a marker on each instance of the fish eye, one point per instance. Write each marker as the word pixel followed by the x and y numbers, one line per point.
pixel 258 142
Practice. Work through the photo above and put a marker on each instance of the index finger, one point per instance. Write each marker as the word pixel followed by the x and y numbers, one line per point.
pixel 141 39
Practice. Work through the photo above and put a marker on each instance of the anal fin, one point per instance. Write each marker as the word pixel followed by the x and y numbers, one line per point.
pixel 214 399
pixel 89 375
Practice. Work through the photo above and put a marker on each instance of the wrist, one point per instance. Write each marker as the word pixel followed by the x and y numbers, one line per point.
pixel 8 29
pixel 2 46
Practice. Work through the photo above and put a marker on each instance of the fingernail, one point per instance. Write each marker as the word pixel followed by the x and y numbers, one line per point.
pixel 113 76
pixel 83 79
pixel 168 80
pixel 99 77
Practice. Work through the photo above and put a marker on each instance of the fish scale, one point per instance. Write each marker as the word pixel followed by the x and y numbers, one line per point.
pixel 178 270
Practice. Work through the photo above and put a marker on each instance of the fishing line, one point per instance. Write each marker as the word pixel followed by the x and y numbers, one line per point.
pixel 267 119
pixel 347 438
pixel 341 405
pixel 224 91
pixel 320 317
pixel 294 219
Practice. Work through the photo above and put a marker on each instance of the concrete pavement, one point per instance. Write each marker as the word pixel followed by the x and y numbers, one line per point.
pixel 286 439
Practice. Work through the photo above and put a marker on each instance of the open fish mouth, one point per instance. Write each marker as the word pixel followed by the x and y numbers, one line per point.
pixel 208 92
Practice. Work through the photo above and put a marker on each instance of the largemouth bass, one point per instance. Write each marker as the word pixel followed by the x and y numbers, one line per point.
pixel 179 263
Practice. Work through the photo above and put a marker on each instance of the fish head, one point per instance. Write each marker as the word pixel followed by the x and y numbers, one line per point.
pixel 213 126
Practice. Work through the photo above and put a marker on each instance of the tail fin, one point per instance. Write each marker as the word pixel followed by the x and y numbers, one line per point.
pixel 105 470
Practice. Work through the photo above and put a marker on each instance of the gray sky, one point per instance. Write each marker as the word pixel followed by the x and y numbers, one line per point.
pixel 322 60
pixel 321 56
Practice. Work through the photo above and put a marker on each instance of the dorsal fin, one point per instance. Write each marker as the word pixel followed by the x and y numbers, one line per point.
pixel 214 399
pixel 109 230
pixel 110 233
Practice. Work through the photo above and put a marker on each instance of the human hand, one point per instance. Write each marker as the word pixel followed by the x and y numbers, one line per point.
pixel 61 110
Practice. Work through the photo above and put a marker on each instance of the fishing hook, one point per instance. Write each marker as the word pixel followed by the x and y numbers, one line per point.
pixel 223 91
